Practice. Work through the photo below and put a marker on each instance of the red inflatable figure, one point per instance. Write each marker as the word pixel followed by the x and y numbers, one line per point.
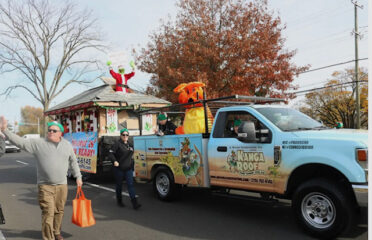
pixel 119 76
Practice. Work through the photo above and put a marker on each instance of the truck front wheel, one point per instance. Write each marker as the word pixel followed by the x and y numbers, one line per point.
pixel 163 184
pixel 322 208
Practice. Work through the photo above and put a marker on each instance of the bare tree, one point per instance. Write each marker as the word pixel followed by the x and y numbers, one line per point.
pixel 48 44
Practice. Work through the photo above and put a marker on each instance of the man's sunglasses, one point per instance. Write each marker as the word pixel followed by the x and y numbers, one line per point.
pixel 125 135
pixel 53 130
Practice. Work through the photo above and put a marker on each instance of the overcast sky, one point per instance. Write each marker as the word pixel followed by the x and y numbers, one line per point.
pixel 320 30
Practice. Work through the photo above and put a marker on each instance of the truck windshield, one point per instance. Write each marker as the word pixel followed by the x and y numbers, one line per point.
pixel 289 119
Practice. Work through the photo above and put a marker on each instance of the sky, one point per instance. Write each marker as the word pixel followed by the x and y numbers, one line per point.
pixel 319 30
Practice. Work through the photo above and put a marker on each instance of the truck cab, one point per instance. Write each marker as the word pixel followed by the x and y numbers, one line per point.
pixel 274 142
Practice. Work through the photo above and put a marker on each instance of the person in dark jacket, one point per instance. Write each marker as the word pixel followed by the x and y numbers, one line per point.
pixel 121 155
pixel 165 127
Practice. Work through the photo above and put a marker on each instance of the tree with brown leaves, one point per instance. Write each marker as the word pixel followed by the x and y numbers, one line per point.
pixel 232 46
pixel 31 117
pixel 336 102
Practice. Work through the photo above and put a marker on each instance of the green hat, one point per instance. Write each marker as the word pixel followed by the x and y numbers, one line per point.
pixel 237 123
pixel 54 123
pixel 162 117
pixel 124 130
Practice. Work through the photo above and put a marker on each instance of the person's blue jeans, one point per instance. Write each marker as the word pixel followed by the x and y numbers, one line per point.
pixel 119 176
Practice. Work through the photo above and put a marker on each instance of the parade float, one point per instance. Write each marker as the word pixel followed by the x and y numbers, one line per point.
pixel 92 121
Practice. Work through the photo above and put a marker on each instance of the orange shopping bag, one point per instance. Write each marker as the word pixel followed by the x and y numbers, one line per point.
pixel 82 214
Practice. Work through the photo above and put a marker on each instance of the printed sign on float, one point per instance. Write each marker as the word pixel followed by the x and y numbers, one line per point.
pixel 147 124
pixel 112 120
pixel 85 148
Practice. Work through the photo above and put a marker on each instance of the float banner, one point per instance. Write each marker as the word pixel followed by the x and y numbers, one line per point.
pixel 85 148
pixel 112 121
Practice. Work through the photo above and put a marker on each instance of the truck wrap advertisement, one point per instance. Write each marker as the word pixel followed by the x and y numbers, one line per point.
pixel 182 154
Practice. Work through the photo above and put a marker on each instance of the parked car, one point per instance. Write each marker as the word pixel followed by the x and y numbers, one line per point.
pixel 9 147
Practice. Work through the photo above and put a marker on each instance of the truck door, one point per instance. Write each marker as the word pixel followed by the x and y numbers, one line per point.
pixel 241 160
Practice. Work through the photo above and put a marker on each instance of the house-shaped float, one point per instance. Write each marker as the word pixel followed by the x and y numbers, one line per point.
pixel 99 113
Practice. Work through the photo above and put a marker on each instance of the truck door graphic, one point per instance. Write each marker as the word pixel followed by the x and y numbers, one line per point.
pixel 238 164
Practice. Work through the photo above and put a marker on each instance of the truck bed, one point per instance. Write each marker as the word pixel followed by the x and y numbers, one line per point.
pixel 185 155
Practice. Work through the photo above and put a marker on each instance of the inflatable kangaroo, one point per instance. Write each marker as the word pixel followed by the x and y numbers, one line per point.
pixel 194 115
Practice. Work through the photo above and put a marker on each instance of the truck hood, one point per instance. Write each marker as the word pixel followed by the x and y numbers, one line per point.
pixel 337 134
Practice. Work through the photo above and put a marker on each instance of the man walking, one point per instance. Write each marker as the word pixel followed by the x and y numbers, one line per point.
pixel 54 155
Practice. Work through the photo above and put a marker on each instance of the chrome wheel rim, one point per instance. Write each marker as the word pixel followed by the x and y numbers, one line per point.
pixel 318 210
pixel 162 184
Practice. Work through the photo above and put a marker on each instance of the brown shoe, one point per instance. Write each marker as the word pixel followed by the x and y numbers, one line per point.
pixel 58 237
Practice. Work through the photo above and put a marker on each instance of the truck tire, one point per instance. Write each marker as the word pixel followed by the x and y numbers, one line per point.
pixel 163 184
pixel 322 208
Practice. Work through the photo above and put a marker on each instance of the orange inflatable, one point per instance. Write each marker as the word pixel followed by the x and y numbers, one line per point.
pixel 194 116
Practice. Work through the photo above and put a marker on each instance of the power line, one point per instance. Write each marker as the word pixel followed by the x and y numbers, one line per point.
pixel 319 47
pixel 306 20
pixel 333 65
pixel 330 86
pixel 330 37
pixel 322 82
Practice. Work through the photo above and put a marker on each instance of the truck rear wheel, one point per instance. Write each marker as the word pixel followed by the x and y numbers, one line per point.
pixel 322 208
pixel 163 184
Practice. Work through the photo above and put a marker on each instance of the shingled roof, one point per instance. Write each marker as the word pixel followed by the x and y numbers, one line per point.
pixel 105 93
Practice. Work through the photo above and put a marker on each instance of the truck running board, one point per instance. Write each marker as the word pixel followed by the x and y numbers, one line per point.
pixel 242 195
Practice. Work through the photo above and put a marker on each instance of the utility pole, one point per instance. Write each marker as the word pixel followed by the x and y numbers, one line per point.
pixel 356 34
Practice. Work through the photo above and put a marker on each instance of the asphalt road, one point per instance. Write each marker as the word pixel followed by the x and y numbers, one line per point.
pixel 197 214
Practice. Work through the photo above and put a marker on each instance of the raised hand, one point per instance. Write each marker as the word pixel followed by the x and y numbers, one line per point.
pixel 3 123
pixel 131 63
pixel 109 63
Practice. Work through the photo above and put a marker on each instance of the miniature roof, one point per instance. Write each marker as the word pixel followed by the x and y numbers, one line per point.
pixel 105 93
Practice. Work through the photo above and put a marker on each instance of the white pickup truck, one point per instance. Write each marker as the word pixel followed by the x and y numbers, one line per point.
pixel 278 152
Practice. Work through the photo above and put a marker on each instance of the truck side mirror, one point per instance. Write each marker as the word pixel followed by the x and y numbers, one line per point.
pixel 247 132
pixel 264 135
